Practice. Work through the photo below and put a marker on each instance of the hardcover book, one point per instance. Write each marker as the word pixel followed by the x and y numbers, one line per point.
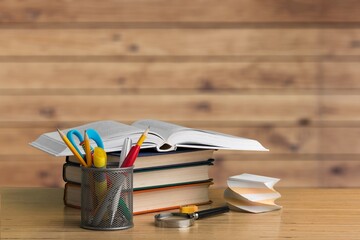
pixel 163 136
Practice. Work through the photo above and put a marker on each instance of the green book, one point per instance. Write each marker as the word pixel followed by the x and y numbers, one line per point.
pixel 146 178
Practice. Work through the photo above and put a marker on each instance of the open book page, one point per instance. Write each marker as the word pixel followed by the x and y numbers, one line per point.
pixel 112 133
pixel 164 129
pixel 179 136
pixel 164 136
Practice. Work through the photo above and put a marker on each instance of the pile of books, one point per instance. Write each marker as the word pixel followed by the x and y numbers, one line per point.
pixel 171 170
pixel 162 180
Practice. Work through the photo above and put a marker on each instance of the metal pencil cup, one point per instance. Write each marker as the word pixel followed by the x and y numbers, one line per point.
pixel 106 198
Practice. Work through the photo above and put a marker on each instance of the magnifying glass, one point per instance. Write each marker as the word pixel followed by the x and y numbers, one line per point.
pixel 184 220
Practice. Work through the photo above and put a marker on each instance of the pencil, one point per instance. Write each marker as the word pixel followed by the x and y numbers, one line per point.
pixel 143 137
pixel 71 147
pixel 87 150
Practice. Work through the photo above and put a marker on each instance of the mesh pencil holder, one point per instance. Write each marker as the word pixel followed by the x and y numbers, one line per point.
pixel 106 198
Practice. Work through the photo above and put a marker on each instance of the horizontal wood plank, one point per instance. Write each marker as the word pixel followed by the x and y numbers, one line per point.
pixel 42 171
pixel 167 42
pixel 339 139
pixel 339 108
pixel 184 11
pixel 148 77
pixel 212 107
pixel 341 173
pixel 338 75
pixel 303 77
pixel 179 42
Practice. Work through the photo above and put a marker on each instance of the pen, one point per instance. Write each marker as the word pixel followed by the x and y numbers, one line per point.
pixel 72 148
pixel 105 202
pixel 116 201
pixel 134 151
pixel 87 149
pixel 125 150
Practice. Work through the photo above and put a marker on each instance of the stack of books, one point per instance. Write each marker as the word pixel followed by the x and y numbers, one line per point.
pixel 171 170
pixel 161 181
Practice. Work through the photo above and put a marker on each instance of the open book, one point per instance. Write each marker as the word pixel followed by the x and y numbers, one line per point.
pixel 163 136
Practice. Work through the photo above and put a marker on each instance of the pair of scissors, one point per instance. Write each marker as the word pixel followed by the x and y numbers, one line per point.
pixel 92 134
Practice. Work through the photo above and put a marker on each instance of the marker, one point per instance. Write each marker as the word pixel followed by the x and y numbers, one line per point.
pixel 134 151
pixel 72 148
pixel 100 159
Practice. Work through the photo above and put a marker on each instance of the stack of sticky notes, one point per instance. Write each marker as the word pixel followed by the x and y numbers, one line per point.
pixel 251 193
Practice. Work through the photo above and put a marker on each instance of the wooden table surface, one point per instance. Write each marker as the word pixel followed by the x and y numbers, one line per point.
pixel 39 213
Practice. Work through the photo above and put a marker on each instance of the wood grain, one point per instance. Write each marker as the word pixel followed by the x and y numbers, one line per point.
pixel 283 72
pixel 340 75
pixel 32 213
pixel 340 173
pixel 340 108
pixel 339 140
pixel 161 42
pixel 303 77
pixel 162 11
pixel 37 170
pixel 158 76
pixel 175 44
pixel 179 42
pixel 227 107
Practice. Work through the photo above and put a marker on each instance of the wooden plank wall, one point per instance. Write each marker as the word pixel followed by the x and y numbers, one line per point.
pixel 285 72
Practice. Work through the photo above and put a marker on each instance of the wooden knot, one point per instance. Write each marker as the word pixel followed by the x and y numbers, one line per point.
pixel 48 112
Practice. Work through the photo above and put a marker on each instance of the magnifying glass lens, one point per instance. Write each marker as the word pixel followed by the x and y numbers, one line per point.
pixel 182 220
pixel 174 218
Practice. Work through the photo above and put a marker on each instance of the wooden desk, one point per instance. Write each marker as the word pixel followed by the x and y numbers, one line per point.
pixel 38 213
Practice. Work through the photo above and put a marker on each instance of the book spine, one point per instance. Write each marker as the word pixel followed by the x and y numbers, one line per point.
pixel 68 165
pixel 77 204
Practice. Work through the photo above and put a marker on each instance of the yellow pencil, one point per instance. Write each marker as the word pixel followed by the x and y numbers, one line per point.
pixel 87 150
pixel 71 147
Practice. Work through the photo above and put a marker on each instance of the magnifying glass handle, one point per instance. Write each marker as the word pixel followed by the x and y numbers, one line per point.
pixel 211 212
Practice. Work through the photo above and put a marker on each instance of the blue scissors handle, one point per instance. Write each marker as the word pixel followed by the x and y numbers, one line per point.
pixel 92 135
pixel 95 137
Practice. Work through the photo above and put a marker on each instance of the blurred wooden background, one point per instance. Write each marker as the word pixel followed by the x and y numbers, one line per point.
pixel 285 72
